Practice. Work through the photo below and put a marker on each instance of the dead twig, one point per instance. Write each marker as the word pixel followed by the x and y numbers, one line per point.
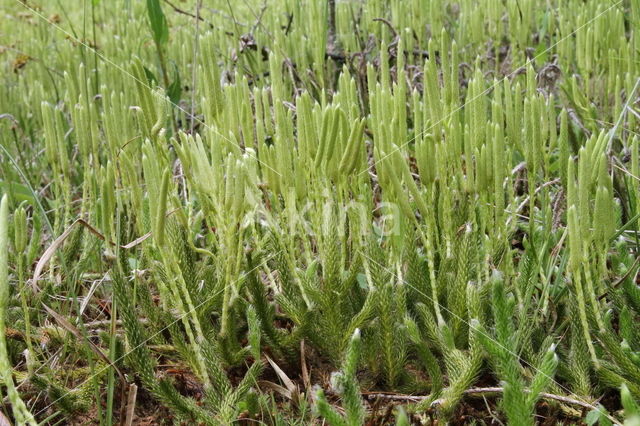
pixel 538 189
pixel 4 421
pixel 333 50
pixel 189 14
pixel 488 390
pixel 388 24
pixel 131 404
pixel 50 251
pixel 576 120
pixel 305 371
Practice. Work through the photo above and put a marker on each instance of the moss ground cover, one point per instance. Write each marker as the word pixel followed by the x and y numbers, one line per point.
pixel 306 212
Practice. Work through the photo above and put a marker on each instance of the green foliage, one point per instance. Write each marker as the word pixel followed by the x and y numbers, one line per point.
pixel 157 22
pixel 345 384
pixel 430 197
pixel 517 403
pixel 20 411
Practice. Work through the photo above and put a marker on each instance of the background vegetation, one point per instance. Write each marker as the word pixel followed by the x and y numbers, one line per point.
pixel 296 212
